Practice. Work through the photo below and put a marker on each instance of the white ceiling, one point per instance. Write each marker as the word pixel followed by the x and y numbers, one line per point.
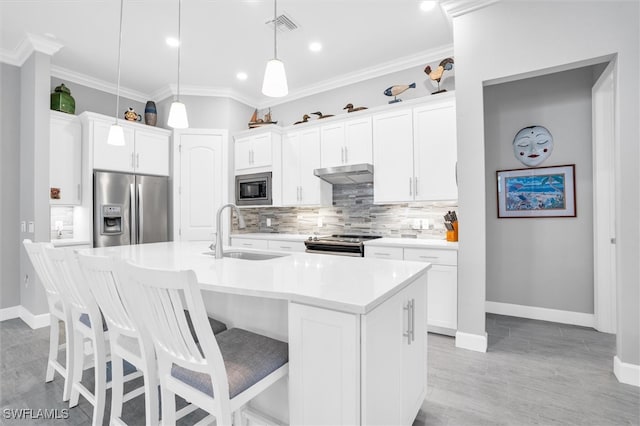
pixel 223 37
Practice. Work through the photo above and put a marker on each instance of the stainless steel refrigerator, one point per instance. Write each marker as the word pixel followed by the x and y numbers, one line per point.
pixel 129 209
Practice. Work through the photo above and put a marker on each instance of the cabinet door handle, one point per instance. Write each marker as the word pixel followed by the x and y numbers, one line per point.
pixel 79 192
pixel 410 186
pixel 137 160
pixel 346 154
pixel 456 172
pixel 342 155
pixel 416 185
pixel 132 160
pixel 247 244
pixel 382 254
pixel 407 333
pixel 413 320
pixel 300 194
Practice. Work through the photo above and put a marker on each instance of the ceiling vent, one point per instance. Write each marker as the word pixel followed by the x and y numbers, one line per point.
pixel 284 24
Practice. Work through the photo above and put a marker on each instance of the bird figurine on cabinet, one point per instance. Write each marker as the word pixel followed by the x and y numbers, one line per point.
pixel 436 75
pixel 350 108
pixel 320 115
pixel 305 118
pixel 398 89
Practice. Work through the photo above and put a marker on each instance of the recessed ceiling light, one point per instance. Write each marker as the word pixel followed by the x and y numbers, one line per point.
pixel 427 5
pixel 315 46
pixel 173 42
pixel 241 76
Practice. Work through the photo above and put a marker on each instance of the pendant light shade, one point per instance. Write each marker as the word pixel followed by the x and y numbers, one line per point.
pixel 178 116
pixel 178 112
pixel 275 78
pixel 116 134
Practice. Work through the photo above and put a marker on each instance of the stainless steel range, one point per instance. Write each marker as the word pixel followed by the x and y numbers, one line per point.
pixel 344 245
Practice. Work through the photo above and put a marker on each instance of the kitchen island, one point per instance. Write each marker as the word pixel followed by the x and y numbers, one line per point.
pixel 356 327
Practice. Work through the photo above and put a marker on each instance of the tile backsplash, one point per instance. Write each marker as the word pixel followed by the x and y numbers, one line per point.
pixel 61 215
pixel 353 211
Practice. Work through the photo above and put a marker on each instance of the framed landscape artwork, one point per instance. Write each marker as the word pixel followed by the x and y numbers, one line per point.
pixel 537 192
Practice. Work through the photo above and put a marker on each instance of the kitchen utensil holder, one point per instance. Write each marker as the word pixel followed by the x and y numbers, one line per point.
pixel 453 235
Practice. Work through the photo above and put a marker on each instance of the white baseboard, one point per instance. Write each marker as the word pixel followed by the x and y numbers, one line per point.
pixel 34 321
pixel 625 372
pixel 10 313
pixel 543 314
pixel 473 342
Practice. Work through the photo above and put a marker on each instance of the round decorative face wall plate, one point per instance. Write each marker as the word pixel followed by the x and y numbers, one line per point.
pixel 532 145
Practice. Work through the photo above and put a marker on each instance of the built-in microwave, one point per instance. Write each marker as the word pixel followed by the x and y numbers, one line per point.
pixel 254 189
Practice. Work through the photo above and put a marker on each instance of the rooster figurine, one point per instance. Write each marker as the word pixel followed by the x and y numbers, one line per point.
pixel 436 75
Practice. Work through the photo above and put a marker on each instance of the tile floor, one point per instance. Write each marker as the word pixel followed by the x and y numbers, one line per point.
pixel 534 372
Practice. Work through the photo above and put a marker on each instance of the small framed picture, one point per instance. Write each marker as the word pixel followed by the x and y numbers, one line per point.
pixel 537 192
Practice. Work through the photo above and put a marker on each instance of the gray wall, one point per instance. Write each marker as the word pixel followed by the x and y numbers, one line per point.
pixel 368 93
pixel 208 112
pixel 89 99
pixel 541 262
pixel 34 170
pixel 9 190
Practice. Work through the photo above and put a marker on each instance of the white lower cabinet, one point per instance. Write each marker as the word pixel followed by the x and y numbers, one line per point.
pixel 253 243
pixel 443 282
pixel 372 367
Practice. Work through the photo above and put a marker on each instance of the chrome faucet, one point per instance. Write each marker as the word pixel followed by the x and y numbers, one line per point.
pixel 241 225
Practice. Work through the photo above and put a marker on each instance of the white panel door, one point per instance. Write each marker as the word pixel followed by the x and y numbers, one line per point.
pixel 152 153
pixel 310 185
pixel 291 169
pixel 200 185
pixel 324 365
pixel 435 152
pixel 261 150
pixel 65 158
pixel 332 145
pixel 393 156
pixel 443 297
pixel 110 157
pixel 358 141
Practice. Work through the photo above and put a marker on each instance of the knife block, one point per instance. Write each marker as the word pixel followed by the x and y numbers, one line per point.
pixel 453 235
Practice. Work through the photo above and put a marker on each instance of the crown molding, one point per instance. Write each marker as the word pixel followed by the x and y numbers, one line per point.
pixel 98 84
pixel 31 43
pixel 455 8
pixel 220 92
pixel 356 77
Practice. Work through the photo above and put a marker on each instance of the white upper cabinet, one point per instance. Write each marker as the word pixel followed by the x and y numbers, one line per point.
pixel 300 156
pixel 252 152
pixel 346 142
pixel 146 148
pixel 435 153
pixel 415 153
pixel 65 159
pixel 393 156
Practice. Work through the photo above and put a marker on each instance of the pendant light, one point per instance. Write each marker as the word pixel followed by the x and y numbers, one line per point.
pixel 116 134
pixel 275 77
pixel 178 112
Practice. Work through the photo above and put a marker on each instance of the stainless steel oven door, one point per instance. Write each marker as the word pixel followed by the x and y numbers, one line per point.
pixel 254 189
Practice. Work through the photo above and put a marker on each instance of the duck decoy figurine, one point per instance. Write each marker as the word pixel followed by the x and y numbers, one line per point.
pixel 398 89
pixel 305 118
pixel 436 75
pixel 350 108
pixel 319 114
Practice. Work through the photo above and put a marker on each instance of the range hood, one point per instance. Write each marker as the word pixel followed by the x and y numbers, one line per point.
pixel 344 175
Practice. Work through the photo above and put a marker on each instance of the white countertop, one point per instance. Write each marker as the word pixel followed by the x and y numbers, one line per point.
pixel 412 243
pixel 272 236
pixel 348 284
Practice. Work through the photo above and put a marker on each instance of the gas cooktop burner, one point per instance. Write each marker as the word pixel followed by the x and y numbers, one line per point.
pixel 347 245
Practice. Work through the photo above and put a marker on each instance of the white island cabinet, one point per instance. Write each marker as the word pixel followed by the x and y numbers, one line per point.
pixel 356 327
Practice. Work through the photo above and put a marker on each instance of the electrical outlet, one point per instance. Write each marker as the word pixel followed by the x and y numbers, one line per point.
pixel 23 226
pixel 268 221
pixel 320 224
pixel 31 227
pixel 416 224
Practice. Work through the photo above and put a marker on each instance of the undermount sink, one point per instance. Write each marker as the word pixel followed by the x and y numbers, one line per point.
pixel 246 255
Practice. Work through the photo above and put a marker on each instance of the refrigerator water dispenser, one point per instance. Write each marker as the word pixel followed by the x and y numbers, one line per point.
pixel 112 219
